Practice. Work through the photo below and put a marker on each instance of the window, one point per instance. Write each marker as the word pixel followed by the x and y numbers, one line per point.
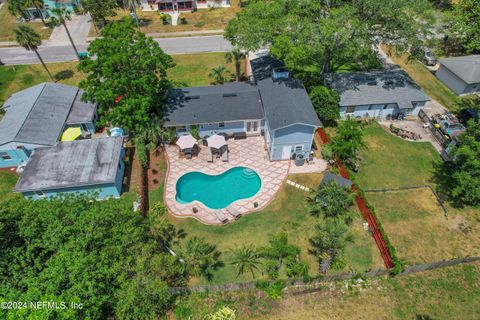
pixel 5 156
pixel 350 109
pixel 40 194
pixel 370 107
pixel 299 148
pixel 385 106
pixel 221 124
pixel 181 128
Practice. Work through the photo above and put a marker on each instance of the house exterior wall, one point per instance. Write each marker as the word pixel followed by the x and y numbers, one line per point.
pixel 19 153
pixel 370 111
pixel 182 5
pixel 289 138
pixel 451 80
pixel 209 129
pixel 70 6
pixel 103 191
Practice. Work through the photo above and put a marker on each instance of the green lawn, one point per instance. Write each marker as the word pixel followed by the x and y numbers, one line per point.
pixel 193 69
pixel 427 81
pixel 9 23
pixel 390 162
pixel 288 212
pixel 7 182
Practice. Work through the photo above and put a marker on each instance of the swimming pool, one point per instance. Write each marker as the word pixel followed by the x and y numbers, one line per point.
pixel 218 192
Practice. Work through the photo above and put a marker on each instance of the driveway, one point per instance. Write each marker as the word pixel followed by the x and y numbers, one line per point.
pixel 79 27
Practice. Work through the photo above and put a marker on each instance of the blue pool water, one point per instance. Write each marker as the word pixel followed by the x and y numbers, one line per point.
pixel 217 192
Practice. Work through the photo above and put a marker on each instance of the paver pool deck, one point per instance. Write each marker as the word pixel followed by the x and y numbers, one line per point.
pixel 243 153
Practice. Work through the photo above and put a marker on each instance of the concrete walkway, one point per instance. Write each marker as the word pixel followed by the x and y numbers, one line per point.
pixel 79 27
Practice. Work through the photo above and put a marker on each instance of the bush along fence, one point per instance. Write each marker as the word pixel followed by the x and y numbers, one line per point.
pixel 387 250
pixel 439 200
pixel 296 285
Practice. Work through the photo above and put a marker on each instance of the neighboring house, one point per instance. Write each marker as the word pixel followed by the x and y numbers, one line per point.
pixel 37 117
pixel 187 5
pixel 460 74
pixel 273 105
pixel 69 5
pixel 377 94
pixel 85 166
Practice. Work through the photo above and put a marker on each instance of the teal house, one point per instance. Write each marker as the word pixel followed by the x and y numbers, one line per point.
pixel 93 166
pixel 38 116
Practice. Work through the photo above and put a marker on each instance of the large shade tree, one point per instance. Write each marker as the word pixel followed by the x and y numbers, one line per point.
pixel 465 178
pixel 314 37
pixel 464 20
pixel 99 10
pixel 127 76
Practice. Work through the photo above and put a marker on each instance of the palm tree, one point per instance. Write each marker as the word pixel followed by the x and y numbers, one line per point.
pixel 200 257
pixel 61 16
pixel 219 74
pixel 18 8
pixel 38 4
pixel 30 40
pixel 235 55
pixel 132 6
pixel 331 237
pixel 246 259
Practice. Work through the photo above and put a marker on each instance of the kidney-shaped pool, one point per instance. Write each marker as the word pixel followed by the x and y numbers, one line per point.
pixel 218 192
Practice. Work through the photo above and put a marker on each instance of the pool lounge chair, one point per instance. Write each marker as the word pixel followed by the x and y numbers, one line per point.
pixel 208 155
pixel 220 216
pixel 224 156
pixel 233 212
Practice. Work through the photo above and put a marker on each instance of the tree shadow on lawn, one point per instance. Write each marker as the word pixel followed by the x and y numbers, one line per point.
pixel 63 75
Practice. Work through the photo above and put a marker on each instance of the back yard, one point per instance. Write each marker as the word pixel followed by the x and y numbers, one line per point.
pixel 413 220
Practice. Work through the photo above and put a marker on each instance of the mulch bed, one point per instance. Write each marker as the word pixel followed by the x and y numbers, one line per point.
pixel 155 172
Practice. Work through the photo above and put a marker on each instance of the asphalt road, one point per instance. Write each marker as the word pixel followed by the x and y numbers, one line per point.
pixel 64 53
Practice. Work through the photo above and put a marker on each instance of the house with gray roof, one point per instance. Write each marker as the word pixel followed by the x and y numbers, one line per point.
pixel 377 94
pixel 460 74
pixel 38 116
pixel 83 166
pixel 272 104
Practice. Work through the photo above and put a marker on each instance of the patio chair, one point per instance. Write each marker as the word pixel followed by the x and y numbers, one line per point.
pixel 220 216
pixel 233 212
pixel 224 156
pixel 208 155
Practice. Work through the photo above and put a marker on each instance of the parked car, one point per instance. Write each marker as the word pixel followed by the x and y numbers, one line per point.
pixel 429 57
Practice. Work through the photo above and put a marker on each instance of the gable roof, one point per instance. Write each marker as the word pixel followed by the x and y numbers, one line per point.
pixel 228 102
pixel 285 100
pixel 466 68
pixel 376 87
pixel 38 114
pixel 72 164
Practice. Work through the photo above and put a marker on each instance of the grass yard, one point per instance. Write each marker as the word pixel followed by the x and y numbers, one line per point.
pixel 390 162
pixel 288 212
pixel 7 182
pixel 450 293
pixel 427 81
pixel 418 229
pixel 193 69
pixel 9 23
